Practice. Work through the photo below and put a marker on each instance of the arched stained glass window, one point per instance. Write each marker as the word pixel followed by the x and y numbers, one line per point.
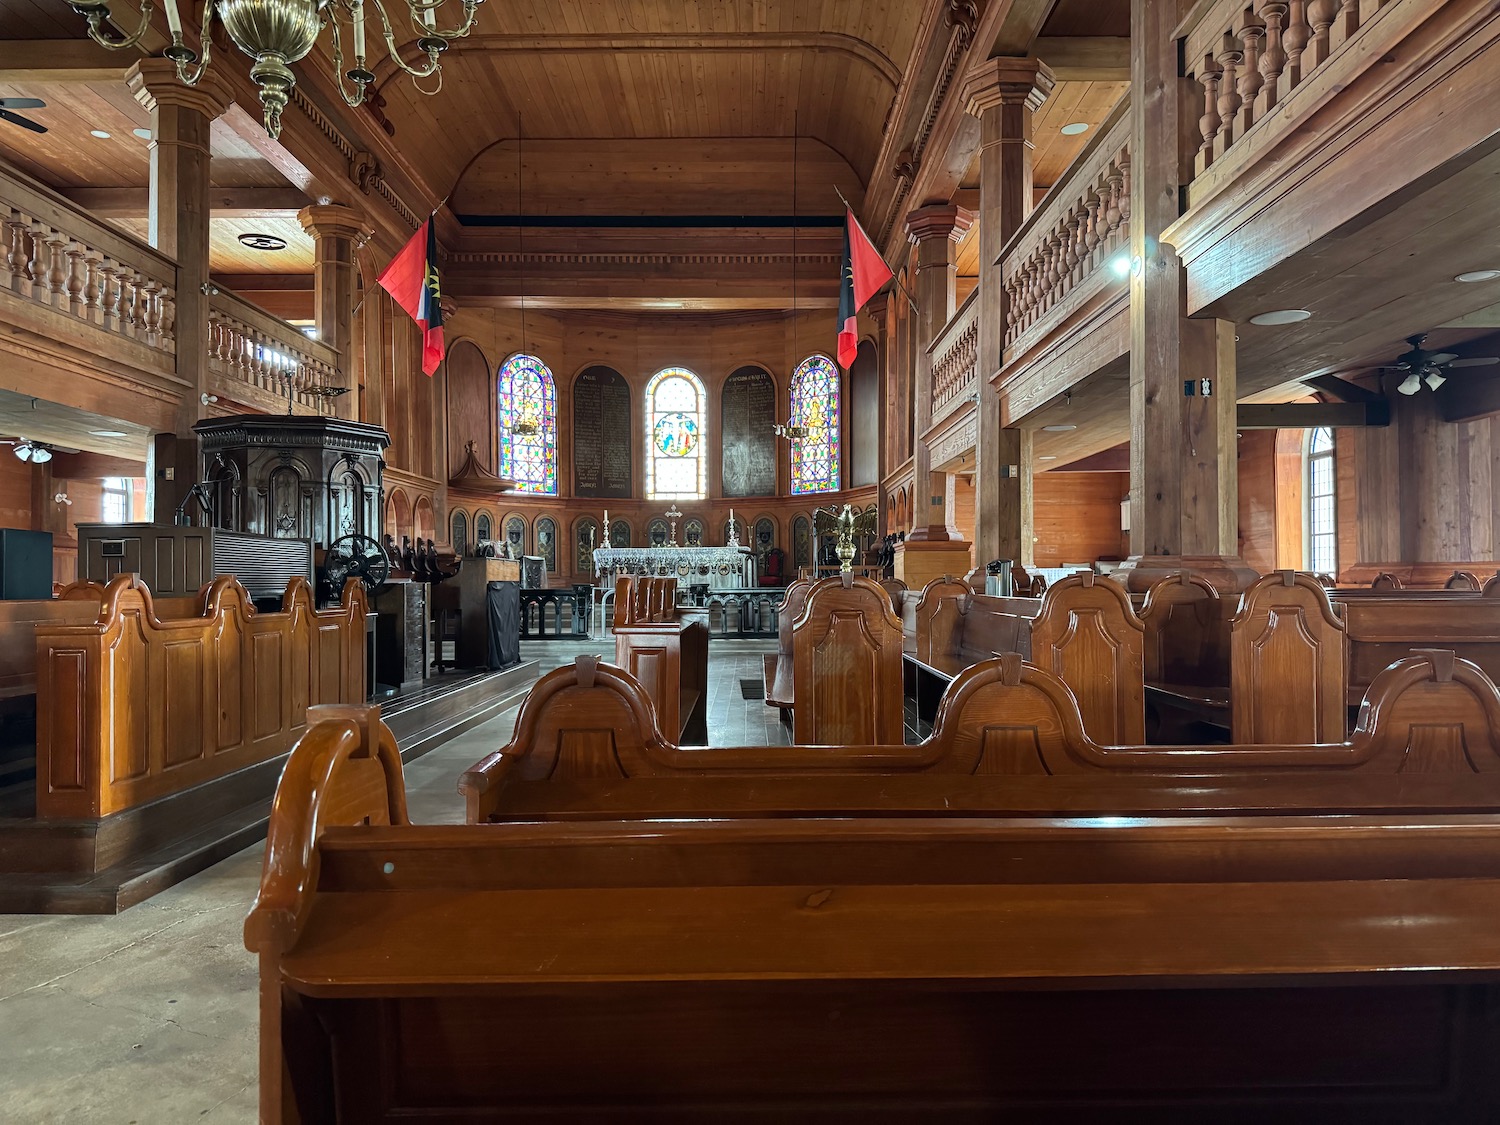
pixel 815 407
pixel 676 468
pixel 528 425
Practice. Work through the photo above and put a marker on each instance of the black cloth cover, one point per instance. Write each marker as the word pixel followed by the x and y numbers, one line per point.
pixel 504 600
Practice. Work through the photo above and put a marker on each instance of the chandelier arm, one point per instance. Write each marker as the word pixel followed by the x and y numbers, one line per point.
pixel 471 9
pixel 357 98
pixel 100 34
pixel 390 45
pixel 187 73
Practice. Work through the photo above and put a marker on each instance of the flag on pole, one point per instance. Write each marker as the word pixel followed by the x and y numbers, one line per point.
pixel 864 272
pixel 412 281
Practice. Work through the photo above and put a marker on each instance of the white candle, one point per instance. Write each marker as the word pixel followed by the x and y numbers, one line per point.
pixel 174 20
pixel 359 33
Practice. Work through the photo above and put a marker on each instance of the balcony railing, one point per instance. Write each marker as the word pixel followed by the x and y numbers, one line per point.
pixel 253 348
pixel 1076 242
pixel 1249 57
pixel 955 357
pixel 61 258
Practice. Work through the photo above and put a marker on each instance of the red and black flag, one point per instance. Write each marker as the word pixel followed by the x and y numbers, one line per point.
pixel 864 272
pixel 412 281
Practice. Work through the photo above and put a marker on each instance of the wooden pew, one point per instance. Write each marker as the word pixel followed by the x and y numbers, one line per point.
pixel 1288 660
pixel 1186 629
pixel 132 708
pixel 1385 627
pixel 926 607
pixel 846 664
pixel 666 651
pixel 1083 630
pixel 781 680
pixel 1008 740
pixel 1296 967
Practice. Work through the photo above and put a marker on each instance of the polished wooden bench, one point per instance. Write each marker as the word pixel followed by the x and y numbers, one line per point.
pixel 781 680
pixel 1383 626
pixel 846 662
pixel 1186 627
pixel 1301 967
pixel 666 651
pixel 1083 629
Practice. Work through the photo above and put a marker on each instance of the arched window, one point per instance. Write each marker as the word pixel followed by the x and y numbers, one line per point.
pixel 115 500
pixel 1322 504
pixel 528 425
pixel 676 468
pixel 460 532
pixel 815 407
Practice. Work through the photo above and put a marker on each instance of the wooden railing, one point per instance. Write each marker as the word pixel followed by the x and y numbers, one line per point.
pixel 955 357
pixel 57 256
pixel 1249 56
pixel 248 346
pixel 1077 240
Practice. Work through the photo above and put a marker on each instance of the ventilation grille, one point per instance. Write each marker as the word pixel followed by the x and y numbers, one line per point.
pixel 263 566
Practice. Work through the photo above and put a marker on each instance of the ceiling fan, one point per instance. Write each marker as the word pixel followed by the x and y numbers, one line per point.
pixel 1429 367
pixel 9 105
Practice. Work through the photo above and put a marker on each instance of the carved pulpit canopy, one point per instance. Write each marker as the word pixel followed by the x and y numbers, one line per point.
pixel 474 477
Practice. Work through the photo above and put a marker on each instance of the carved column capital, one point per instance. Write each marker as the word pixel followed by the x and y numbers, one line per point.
pixel 333 220
pixel 1007 81
pixel 938 221
pixel 154 84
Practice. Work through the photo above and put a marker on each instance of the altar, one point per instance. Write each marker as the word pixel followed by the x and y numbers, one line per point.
pixel 723 568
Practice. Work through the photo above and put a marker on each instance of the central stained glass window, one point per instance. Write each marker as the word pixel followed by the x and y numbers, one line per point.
pixel 528 425
pixel 815 407
pixel 676 468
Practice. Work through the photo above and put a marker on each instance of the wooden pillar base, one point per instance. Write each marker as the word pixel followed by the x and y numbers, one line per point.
pixel 1228 574
pixel 919 562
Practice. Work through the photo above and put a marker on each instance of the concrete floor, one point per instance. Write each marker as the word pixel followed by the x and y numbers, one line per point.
pixel 149 1017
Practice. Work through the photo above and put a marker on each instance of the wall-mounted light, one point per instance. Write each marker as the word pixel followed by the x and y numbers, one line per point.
pixel 62 498
pixel 207 398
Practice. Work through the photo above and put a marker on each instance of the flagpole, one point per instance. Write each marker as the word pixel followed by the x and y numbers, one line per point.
pixel 910 300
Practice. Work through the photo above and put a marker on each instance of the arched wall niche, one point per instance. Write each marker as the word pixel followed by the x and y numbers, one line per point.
pixel 471 405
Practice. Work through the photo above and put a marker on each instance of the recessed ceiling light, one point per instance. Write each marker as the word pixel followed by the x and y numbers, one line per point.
pixel 100 133
pixel 1478 275
pixel 1060 428
pixel 144 134
pixel 1073 128
pixel 108 433
pixel 263 241
pixel 1281 316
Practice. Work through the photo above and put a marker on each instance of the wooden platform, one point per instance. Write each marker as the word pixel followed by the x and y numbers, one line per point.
pixel 103 867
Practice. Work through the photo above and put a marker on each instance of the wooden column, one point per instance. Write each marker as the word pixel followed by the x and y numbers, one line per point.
pixel 878 308
pixel 933 548
pixel 1004 94
pixel 336 231
pixel 177 225
pixel 1183 483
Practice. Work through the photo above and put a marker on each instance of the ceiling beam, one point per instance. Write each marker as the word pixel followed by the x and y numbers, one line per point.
pixel 223 203
pixel 1469 398
pixel 1342 389
pixel 1085 58
pixel 61 60
pixel 1310 415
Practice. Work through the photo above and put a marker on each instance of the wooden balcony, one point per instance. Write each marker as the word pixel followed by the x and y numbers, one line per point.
pixel 263 362
pixel 955 356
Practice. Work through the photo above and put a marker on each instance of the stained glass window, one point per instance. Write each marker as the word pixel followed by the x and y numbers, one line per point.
pixel 815 407
pixel 675 466
pixel 528 425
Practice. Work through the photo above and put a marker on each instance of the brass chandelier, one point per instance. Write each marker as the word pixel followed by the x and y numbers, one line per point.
pixel 277 33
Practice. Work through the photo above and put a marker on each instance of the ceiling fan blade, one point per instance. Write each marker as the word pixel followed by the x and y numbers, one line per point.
pixel 22 103
pixel 23 122
pixel 1442 357
pixel 1480 361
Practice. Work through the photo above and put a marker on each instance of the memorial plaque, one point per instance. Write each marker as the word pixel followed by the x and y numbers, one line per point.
pixel 601 434
pixel 749 412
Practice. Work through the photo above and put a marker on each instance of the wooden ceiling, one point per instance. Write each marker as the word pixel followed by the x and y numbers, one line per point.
pixel 631 69
pixel 66 427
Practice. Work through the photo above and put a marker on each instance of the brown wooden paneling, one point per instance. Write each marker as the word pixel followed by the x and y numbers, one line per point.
pixel 1288 663
pixel 846 657
pixel 1076 516
pixel 1087 635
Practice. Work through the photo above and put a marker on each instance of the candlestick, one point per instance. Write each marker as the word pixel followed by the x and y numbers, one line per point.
pixel 607 541
pixel 359 33
pixel 174 20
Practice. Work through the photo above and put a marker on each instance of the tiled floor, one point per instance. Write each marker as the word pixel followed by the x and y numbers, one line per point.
pixel 149 1017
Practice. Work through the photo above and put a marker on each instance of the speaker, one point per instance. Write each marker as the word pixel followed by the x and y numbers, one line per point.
pixel 25 564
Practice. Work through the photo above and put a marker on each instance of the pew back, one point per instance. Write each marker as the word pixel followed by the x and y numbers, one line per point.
pixel 1383 629
pixel 927 606
pixel 846 659
pixel 1288 656
pixel 131 707
pixel 781 683
pixel 1088 636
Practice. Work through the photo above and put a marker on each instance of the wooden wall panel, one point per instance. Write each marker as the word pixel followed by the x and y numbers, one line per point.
pixel 471 405
pixel 1076 516
pixel 1258 505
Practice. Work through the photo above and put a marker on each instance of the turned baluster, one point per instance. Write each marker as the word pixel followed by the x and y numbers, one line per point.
pixel 168 317
pixel 1056 257
pixel 1208 125
pixel 1093 228
pixel 152 311
pixel 77 275
pixel 1231 56
pixel 1125 198
pixel 1079 227
pixel 1112 209
pixel 36 265
pixel 1252 36
pixel 1320 15
pixel 15 254
pixel 1273 56
pixel 1069 250
pixel 1295 39
pixel 91 287
pixel 136 317
pixel 57 270
pixel 1345 24
pixel 109 297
